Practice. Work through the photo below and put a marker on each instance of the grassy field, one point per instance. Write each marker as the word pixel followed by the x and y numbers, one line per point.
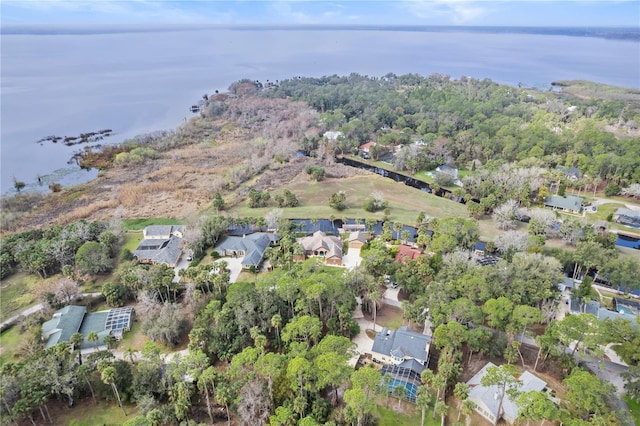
pixel 634 408
pixel 140 224
pixel 389 417
pixel 131 240
pixel 86 413
pixel 405 203
pixel 15 294
pixel 134 338
pixel 9 343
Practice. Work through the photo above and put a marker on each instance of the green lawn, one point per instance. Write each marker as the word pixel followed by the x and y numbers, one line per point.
pixel 605 210
pixel 388 417
pixel 15 294
pixel 131 240
pixel 86 413
pixel 634 408
pixel 405 202
pixel 9 343
pixel 140 224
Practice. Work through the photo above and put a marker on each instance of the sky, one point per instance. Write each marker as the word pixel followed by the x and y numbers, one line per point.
pixel 579 13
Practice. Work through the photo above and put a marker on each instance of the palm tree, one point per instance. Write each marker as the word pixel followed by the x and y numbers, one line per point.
pixel 399 392
pixel 208 377
pixel 223 395
pixel 130 353
pixel 461 391
pixel 108 376
pixel 375 296
pixel 467 408
pixel 276 322
pixel 76 340
pixel 440 409
pixel 397 226
pixel 110 341
pixel 93 337
pixel 85 372
pixel 422 400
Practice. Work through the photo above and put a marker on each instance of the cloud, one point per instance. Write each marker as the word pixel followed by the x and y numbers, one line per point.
pixel 447 11
pixel 115 11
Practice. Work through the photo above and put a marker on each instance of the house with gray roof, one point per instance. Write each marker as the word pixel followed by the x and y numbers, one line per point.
pixel 627 217
pixel 601 312
pixel 398 346
pixel 161 244
pixel 569 204
pixel 487 401
pixel 328 247
pixel 568 284
pixel 571 173
pixel 250 247
pixel 73 319
pixel 447 169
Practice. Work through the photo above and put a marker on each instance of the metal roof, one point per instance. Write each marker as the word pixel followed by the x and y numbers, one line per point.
pixel 569 202
pixel 402 343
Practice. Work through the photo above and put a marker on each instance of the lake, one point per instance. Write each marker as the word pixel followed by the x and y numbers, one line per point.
pixel 133 83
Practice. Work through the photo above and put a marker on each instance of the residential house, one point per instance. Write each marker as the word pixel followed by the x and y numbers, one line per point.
pixel 319 244
pixel 571 173
pixel 366 147
pixel 332 136
pixel 357 239
pixel 407 253
pixel 487 401
pixel 250 247
pixel 480 248
pixel 627 217
pixel 445 168
pixel 398 346
pixel 160 244
pixel 601 313
pixel 569 204
pixel 567 285
pixel 75 319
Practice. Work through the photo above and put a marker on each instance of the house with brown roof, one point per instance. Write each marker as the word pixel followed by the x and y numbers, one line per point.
pixel 357 239
pixel 322 245
pixel 366 147
pixel 407 253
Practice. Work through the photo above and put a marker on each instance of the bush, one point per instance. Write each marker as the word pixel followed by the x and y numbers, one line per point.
pixel 337 200
pixel 612 189
pixel 316 172
pixel 126 255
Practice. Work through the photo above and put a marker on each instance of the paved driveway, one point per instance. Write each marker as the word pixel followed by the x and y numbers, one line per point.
pixel 391 297
pixel 352 258
pixel 362 341
pixel 235 266
pixel 183 263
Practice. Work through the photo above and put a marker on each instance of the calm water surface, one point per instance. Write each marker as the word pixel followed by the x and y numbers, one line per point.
pixel 139 82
